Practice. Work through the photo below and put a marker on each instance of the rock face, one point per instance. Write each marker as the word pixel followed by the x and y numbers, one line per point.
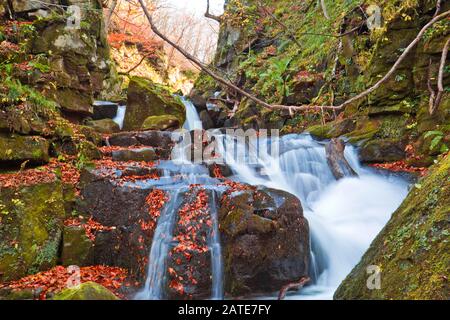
pixel 140 154
pixel 76 246
pixel 123 210
pixel 413 250
pixel 146 99
pixel 265 240
pixel 80 63
pixel 17 149
pixel 386 150
pixel 30 229
pixel 104 110
pixel 86 291
pixel 164 122
pixel 104 126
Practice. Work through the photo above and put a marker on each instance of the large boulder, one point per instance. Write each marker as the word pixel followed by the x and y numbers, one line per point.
pixel 139 154
pixel 30 228
pixel 412 252
pixel 86 291
pixel 265 240
pixel 382 150
pixel 164 122
pixel 17 149
pixel 76 246
pixel 146 99
pixel 106 126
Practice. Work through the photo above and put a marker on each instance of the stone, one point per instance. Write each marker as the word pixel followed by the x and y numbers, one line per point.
pixel 104 110
pixel 86 291
pixel 140 154
pixel 88 151
pixel 17 149
pixel 165 122
pixel 382 150
pixel 123 139
pixel 146 99
pixel 76 246
pixel 206 120
pixel 105 126
pixel 265 240
pixel 32 218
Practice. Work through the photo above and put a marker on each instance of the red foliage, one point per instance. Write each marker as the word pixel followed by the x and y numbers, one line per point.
pixel 91 226
pixel 57 279
pixel 155 201
pixel 26 178
pixel 400 166
pixel 217 172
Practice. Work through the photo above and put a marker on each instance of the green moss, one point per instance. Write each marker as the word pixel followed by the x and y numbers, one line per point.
pixel 146 99
pixel 160 122
pixel 30 234
pixel 86 291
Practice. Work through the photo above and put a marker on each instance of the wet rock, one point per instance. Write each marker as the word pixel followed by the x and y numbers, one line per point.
pixel 164 122
pixel 32 219
pixel 222 169
pixel 104 110
pixel 207 122
pixel 86 291
pixel 141 154
pixel 265 240
pixel 198 100
pixel 104 126
pixel 122 207
pixel 146 99
pixel 382 150
pixel 17 149
pixel 156 139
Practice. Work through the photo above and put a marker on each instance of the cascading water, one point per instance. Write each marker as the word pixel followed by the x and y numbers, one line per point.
pixel 193 121
pixel 120 116
pixel 344 215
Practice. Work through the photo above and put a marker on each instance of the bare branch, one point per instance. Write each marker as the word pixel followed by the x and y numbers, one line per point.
pixel 324 9
pixel 230 85
pixel 435 98
pixel 210 15
pixel 295 285
pixel 438 8
pixel 110 13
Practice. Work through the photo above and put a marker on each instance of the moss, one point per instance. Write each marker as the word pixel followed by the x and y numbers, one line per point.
pixel 413 250
pixel 33 227
pixel 16 148
pixel 146 99
pixel 86 291
pixel 160 122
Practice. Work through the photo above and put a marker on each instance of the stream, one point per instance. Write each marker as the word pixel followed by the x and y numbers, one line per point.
pixel 344 216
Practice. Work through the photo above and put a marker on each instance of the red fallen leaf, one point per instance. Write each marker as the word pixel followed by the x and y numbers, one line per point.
pixel 56 279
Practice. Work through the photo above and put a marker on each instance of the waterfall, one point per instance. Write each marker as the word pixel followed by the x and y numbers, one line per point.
pixel 162 238
pixel 193 121
pixel 344 216
pixel 120 116
pixel 216 252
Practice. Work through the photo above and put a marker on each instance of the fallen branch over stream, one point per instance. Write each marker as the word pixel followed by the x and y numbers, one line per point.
pixel 244 93
pixel 291 286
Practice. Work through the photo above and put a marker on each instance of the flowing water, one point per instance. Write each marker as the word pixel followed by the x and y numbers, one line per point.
pixel 120 116
pixel 344 216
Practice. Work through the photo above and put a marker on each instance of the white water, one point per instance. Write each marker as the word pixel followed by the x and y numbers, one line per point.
pixel 193 121
pixel 344 216
pixel 120 116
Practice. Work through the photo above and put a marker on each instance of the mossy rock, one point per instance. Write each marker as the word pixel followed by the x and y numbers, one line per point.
pixel 91 135
pixel 30 228
pixel 76 246
pixel 382 150
pixel 104 126
pixel 88 151
pixel 161 123
pixel 86 291
pixel 332 129
pixel 413 250
pixel 146 99
pixel 17 149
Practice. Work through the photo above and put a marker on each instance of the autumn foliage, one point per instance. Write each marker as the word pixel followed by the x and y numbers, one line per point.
pixel 57 279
